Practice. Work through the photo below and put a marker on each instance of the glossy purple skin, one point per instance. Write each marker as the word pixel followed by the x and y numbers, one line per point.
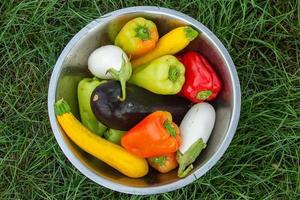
pixel 139 103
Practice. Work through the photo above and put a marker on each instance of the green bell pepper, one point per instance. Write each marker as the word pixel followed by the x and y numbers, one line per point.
pixel 114 135
pixel 164 75
pixel 84 91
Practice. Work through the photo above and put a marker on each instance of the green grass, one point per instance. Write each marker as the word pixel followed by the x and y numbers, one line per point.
pixel 263 38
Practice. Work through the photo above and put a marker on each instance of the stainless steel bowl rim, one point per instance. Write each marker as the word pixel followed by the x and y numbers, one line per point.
pixel 155 189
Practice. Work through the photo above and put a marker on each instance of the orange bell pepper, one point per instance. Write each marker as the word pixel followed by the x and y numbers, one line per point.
pixel 155 135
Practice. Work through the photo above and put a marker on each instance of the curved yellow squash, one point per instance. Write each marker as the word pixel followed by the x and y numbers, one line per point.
pixel 171 43
pixel 112 154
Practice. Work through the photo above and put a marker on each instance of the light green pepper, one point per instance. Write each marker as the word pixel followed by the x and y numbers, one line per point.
pixel 164 75
pixel 84 91
pixel 114 135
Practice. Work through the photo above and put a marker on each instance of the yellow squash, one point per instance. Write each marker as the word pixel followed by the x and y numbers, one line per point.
pixel 112 154
pixel 171 43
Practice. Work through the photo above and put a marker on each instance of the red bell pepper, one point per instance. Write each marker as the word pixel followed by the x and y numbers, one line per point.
pixel 201 81
pixel 155 135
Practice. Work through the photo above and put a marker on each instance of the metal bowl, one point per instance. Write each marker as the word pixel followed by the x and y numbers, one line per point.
pixel 71 66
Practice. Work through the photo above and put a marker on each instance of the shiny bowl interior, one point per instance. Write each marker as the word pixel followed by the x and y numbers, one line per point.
pixel 71 67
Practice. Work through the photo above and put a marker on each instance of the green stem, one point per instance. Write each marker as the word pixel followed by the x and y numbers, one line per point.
pixel 123 75
pixel 168 125
pixel 161 160
pixel 190 33
pixel 173 73
pixel 186 160
pixel 203 95
pixel 143 33
pixel 61 107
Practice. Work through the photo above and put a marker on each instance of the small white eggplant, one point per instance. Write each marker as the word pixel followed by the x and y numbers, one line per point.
pixel 195 130
pixel 109 62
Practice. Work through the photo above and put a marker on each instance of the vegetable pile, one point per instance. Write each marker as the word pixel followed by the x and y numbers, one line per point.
pixel 145 104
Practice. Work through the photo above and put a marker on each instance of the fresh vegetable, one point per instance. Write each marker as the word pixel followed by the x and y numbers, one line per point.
pixel 164 163
pixel 155 135
pixel 114 135
pixel 201 81
pixel 171 43
pixel 138 104
pixel 137 37
pixel 67 86
pixel 109 62
pixel 164 75
pixel 84 91
pixel 195 129
pixel 112 154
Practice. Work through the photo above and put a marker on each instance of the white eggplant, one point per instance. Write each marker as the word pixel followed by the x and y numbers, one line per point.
pixel 195 130
pixel 109 62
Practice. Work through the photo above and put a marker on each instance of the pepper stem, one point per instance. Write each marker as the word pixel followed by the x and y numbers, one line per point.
pixel 142 32
pixel 190 33
pixel 61 107
pixel 161 160
pixel 203 95
pixel 169 126
pixel 185 160
pixel 123 75
pixel 173 73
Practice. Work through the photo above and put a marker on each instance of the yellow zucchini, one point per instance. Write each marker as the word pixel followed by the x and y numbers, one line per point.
pixel 110 153
pixel 171 43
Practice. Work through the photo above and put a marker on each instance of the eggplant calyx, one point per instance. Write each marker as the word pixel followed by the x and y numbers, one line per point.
pixel 186 160
pixel 122 75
